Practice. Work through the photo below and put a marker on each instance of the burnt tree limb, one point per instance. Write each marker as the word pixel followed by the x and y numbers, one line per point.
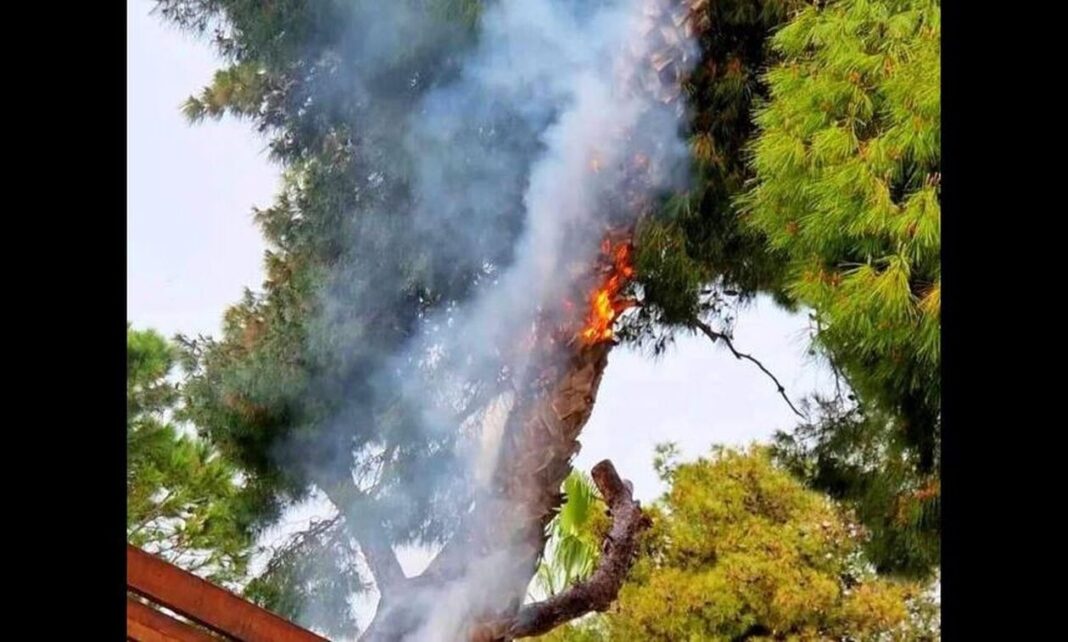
pixel 600 589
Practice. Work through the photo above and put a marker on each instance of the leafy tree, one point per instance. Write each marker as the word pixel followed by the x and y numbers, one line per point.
pixel 862 459
pixel 182 500
pixel 847 181
pixel 740 549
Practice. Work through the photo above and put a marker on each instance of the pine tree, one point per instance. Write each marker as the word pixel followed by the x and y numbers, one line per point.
pixel 339 228
pixel 182 500
pixel 289 362
pixel 847 184
pixel 847 171
pixel 861 458
pixel 289 365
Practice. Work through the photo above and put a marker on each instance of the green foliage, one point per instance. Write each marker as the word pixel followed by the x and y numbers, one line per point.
pixel 863 460
pixel 182 500
pixel 846 165
pixel 237 90
pixel 696 241
pixel 665 459
pixel 741 549
pixel 310 578
pixel 846 162
pixel 573 546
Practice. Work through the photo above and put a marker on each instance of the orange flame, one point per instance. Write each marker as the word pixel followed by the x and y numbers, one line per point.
pixel 605 303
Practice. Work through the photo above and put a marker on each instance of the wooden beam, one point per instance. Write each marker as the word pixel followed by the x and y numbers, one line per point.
pixel 146 624
pixel 207 604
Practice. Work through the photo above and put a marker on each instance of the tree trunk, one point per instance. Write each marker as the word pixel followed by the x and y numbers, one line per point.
pixel 487 566
pixel 540 440
pixel 480 577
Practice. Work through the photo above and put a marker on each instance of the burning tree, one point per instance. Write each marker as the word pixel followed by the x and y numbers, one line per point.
pixel 462 229
pixel 370 398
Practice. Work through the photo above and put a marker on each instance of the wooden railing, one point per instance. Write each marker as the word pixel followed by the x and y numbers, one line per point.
pixel 220 614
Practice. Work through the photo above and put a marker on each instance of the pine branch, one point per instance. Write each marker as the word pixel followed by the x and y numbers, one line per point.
pixel 719 336
pixel 293 545
pixel 153 513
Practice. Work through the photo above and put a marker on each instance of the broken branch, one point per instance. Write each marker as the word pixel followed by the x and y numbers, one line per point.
pixel 597 592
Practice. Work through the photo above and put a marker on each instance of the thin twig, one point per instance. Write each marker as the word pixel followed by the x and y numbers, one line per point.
pixel 838 376
pixel 719 336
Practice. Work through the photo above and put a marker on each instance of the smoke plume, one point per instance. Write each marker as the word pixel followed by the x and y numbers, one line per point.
pixel 512 162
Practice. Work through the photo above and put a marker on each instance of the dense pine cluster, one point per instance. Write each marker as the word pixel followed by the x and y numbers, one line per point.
pixel 742 550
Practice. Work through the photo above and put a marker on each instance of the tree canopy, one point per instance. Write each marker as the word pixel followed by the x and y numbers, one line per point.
pixel 846 163
pixel 814 133
pixel 740 549
pixel 183 500
pixel 289 363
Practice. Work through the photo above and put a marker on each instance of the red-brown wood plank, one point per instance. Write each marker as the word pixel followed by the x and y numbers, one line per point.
pixel 210 605
pixel 146 624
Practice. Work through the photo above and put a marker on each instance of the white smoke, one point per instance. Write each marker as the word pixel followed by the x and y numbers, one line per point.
pixel 553 90
pixel 577 69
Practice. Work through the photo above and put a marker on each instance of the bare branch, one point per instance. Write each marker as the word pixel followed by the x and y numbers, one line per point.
pixel 598 591
pixel 376 549
pixel 719 336
pixel 380 557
